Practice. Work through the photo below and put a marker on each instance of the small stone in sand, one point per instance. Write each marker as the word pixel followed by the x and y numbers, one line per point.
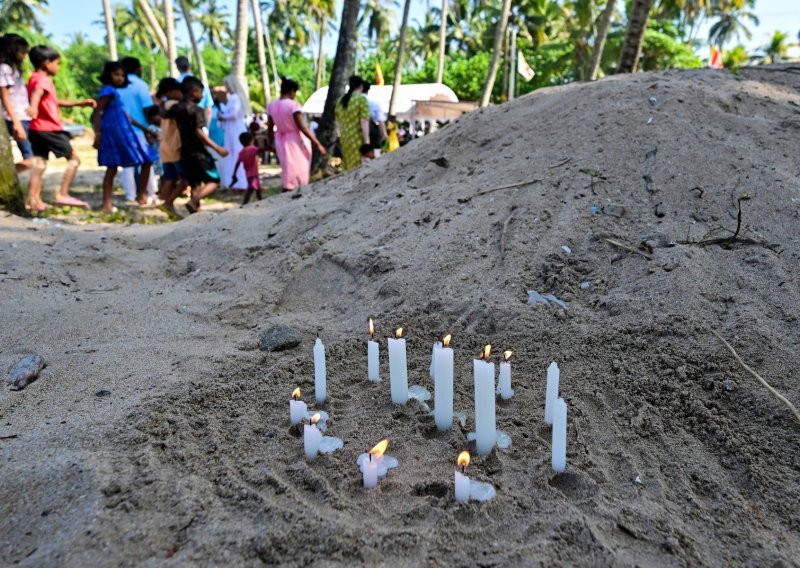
pixel 25 371
pixel 280 337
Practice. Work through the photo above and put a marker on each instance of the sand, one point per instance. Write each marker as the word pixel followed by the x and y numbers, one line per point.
pixel 160 431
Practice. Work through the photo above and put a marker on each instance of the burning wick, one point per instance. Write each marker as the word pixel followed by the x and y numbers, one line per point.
pixel 312 437
pixel 487 351
pixel 369 467
pixel 504 383
pixel 398 333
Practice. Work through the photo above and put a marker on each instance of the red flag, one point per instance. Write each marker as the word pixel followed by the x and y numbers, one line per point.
pixel 716 58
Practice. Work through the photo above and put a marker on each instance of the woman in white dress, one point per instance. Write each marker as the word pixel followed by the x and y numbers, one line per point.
pixel 231 118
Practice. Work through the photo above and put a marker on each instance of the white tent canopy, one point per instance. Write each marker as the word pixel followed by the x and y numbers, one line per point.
pixel 405 105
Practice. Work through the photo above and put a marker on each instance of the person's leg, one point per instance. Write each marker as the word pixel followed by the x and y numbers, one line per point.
pixel 200 193
pixel 108 189
pixel 69 176
pixel 144 180
pixel 24 147
pixel 38 166
pixel 128 179
pixel 247 195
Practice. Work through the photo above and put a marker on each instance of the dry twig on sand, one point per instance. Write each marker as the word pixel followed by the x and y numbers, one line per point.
pixel 512 186
pixel 628 248
pixel 777 395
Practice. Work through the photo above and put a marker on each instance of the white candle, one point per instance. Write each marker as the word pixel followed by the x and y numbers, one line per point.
pixel 370 466
pixel 373 354
pixel 297 408
pixel 462 481
pixel 443 384
pixel 398 370
pixel 485 425
pixel 559 435
pixel 504 381
pixel 320 386
pixel 436 345
pixel 311 438
pixel 553 375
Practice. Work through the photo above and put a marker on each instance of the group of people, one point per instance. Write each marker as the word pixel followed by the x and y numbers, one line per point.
pixel 193 137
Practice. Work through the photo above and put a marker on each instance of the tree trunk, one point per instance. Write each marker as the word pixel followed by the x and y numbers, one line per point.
pixel 600 39
pixel 275 77
pixel 172 50
pixel 321 55
pixel 634 36
pixel 342 64
pixel 158 33
pixel 111 36
pixel 498 42
pixel 506 66
pixel 240 47
pixel 262 57
pixel 398 69
pixel 442 42
pixel 201 66
pixel 11 192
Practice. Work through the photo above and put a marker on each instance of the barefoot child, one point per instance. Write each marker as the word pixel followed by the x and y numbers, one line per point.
pixel 117 144
pixel 46 133
pixel 173 179
pixel 14 95
pixel 201 172
pixel 248 158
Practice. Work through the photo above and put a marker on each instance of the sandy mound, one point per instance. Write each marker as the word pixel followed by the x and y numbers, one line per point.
pixel 158 428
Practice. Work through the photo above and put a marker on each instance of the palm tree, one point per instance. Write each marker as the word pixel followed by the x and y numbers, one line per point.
pixel 240 46
pixel 172 50
pixel 600 39
pixel 634 36
pixel 320 12
pixel 262 58
pixel 187 17
pixel 423 40
pixel 22 13
pixel 133 27
pixel 378 16
pixel 214 23
pixel 442 41
pixel 11 194
pixel 730 24
pixel 342 66
pixel 778 47
pixel 500 30
pixel 111 36
pixel 155 26
pixel 398 69
pixel 289 26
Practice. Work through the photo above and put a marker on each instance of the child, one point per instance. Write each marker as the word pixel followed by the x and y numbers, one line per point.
pixel 198 165
pixel 14 95
pixel 46 134
pixel 248 157
pixel 116 143
pixel 367 153
pixel 173 184
pixel 153 136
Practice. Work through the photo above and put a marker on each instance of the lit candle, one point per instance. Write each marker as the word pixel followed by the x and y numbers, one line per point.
pixel 485 426
pixel 320 387
pixel 371 465
pixel 443 384
pixel 297 408
pixel 553 375
pixel 373 352
pixel 312 437
pixel 504 381
pixel 559 435
pixel 462 481
pixel 398 369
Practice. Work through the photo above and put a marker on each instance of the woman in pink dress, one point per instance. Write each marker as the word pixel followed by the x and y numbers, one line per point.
pixel 292 141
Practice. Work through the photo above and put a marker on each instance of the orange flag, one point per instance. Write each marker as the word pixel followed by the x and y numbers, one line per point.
pixel 716 58
pixel 378 74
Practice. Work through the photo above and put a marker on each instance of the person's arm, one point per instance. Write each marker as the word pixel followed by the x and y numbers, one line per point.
pixel 208 110
pixel 301 125
pixel 364 121
pixel 83 103
pixel 16 125
pixel 96 115
pixel 210 143
pixel 270 132
pixel 36 98
pixel 234 179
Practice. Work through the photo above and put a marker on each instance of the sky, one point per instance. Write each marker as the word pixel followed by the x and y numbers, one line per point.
pixel 64 20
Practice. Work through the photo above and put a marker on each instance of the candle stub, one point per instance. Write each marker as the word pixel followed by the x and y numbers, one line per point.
pixel 398 368
pixel 320 379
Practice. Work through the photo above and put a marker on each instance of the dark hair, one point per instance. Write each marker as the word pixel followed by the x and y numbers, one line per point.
pixel 151 112
pixel 131 65
pixel 41 54
pixel 366 149
pixel 355 82
pixel 245 138
pixel 108 69
pixel 365 86
pixel 289 86
pixel 182 63
pixel 190 83
pixel 166 85
pixel 10 45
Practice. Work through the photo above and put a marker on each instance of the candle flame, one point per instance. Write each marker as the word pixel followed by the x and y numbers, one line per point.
pixel 446 340
pixel 463 459
pixel 398 332
pixel 486 352
pixel 296 393
pixel 371 328
pixel 379 448
pixel 507 354
pixel 315 418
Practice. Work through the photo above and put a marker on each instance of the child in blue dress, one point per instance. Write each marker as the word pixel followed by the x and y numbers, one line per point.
pixel 115 140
